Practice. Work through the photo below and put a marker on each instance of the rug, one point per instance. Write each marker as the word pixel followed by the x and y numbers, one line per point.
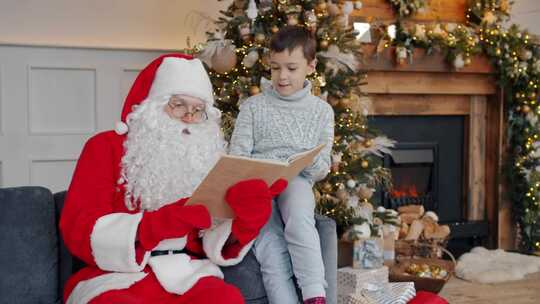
pixel 494 266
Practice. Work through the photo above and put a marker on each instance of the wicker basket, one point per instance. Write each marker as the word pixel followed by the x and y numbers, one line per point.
pixel 420 248
pixel 398 273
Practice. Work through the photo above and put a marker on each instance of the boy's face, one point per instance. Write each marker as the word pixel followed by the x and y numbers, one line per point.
pixel 289 70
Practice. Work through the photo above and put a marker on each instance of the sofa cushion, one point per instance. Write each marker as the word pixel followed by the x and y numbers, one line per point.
pixel 28 246
pixel 247 277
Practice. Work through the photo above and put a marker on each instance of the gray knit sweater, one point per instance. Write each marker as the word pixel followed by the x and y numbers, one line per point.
pixel 272 126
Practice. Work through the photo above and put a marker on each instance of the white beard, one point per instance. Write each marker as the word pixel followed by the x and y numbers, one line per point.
pixel 161 163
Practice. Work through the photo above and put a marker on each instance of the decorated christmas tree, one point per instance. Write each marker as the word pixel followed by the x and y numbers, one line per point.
pixel 236 55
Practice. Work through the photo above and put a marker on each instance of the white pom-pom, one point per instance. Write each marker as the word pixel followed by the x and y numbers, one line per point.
pixel 432 215
pixel 381 209
pixel 213 113
pixel 121 128
pixel 351 183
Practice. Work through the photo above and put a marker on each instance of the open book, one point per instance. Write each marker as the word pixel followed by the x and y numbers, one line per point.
pixel 231 169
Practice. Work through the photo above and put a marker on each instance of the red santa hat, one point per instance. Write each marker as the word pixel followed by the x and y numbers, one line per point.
pixel 168 75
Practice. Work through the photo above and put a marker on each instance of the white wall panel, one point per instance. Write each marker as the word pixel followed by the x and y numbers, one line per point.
pixel 1 105
pixel 62 100
pixel 128 77
pixel 53 101
pixel 53 174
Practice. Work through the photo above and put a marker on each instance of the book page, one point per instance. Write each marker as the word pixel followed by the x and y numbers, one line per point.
pixel 300 161
pixel 230 170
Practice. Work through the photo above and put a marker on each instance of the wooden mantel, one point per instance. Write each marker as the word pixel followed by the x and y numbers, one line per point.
pixel 429 86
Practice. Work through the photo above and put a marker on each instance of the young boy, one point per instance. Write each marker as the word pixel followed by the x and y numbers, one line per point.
pixel 283 120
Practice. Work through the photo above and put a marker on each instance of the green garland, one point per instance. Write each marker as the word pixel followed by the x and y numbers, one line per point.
pixel 407 8
pixel 516 59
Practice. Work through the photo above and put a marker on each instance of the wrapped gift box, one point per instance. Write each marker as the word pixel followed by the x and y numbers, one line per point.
pixel 353 299
pixel 391 293
pixel 352 280
pixel 368 253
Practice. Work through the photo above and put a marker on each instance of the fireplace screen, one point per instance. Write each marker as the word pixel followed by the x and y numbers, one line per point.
pixel 414 174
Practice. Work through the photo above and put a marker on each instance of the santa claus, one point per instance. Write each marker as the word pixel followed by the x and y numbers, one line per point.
pixel 125 212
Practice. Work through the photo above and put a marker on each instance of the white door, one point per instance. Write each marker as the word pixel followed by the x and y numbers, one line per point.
pixel 51 101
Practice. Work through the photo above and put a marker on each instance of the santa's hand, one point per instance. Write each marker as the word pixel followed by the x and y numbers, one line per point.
pixel 278 187
pixel 171 221
pixel 251 201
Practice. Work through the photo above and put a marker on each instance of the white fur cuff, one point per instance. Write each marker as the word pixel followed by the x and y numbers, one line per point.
pixel 177 273
pixel 214 241
pixel 85 291
pixel 113 242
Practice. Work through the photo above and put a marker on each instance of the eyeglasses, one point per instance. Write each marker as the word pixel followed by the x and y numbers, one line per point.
pixel 180 110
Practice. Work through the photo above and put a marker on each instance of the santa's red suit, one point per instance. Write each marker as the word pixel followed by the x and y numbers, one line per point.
pixel 116 243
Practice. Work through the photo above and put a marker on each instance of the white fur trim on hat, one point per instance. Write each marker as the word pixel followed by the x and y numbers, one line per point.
pixel 182 76
pixel 121 128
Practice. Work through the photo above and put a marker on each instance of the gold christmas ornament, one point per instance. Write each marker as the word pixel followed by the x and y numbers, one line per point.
pixel 525 109
pixel 364 192
pixel 368 143
pixel 333 9
pixel 292 19
pixel 327 187
pixel 260 38
pixel 324 43
pixel 342 194
pixel 345 102
pixel 321 6
pixel 274 29
pixel 254 90
pixel 224 60
pixel 364 164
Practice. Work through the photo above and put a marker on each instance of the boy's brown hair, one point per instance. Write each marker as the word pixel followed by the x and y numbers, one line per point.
pixel 292 36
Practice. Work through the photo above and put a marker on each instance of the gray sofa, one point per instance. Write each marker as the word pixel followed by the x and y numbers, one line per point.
pixel 35 264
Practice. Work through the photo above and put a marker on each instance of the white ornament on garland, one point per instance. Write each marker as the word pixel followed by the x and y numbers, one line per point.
pixel 250 59
pixel 252 10
pixel 340 60
pixel 459 63
pixel 347 9
pixel 219 54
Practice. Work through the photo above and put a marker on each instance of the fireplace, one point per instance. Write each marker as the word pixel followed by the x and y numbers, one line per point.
pixel 427 163
pixel 466 107
pixel 414 168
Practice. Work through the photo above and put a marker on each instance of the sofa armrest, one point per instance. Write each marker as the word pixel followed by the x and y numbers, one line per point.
pixel 28 246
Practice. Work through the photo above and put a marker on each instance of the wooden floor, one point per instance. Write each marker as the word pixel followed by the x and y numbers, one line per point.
pixel 526 291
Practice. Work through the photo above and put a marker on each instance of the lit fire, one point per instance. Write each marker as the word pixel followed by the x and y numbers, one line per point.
pixel 404 191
